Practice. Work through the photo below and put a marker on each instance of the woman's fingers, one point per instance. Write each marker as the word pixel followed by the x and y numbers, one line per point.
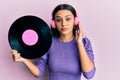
pixel 14 52
pixel 15 55
pixel 81 31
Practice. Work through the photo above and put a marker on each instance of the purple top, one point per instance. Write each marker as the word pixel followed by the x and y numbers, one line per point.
pixel 64 62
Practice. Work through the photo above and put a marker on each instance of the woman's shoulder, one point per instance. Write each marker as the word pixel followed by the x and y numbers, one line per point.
pixel 87 42
pixel 86 39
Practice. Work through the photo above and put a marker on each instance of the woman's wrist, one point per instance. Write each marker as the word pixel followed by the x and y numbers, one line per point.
pixel 25 60
pixel 80 41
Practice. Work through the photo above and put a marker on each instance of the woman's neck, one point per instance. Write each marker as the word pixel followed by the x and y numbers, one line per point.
pixel 66 38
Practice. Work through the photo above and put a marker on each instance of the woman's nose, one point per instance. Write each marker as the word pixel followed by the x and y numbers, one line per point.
pixel 63 22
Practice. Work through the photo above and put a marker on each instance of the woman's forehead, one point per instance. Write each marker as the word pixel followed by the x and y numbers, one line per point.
pixel 63 13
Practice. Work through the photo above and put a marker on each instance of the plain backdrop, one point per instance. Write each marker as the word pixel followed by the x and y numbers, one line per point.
pixel 101 23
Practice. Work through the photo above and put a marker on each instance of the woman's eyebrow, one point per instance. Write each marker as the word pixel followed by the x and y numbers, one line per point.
pixel 60 17
pixel 57 17
pixel 67 15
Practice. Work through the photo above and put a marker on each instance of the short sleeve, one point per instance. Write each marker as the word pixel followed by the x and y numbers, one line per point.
pixel 89 50
pixel 42 64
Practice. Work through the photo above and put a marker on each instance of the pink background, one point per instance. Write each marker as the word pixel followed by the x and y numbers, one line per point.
pixel 100 20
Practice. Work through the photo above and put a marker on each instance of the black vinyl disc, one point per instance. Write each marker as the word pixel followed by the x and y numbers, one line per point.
pixel 30 36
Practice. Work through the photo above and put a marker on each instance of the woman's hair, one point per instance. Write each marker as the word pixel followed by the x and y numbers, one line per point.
pixel 55 32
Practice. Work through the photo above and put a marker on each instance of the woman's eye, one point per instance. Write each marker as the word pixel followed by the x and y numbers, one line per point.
pixel 58 20
pixel 68 19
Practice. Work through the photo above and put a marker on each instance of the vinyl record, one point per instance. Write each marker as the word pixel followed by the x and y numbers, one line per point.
pixel 30 36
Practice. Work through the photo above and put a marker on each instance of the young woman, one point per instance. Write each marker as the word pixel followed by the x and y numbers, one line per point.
pixel 70 54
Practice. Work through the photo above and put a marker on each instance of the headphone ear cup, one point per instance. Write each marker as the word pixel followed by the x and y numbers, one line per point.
pixel 76 20
pixel 53 24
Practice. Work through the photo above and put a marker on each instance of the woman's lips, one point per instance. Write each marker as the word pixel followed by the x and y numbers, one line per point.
pixel 64 29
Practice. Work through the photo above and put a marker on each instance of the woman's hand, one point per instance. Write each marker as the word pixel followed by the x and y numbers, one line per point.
pixel 79 33
pixel 31 67
pixel 16 56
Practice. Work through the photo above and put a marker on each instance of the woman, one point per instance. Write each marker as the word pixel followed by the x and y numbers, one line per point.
pixel 70 54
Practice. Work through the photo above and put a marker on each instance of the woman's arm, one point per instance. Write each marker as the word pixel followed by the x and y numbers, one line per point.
pixel 31 67
pixel 85 54
pixel 86 63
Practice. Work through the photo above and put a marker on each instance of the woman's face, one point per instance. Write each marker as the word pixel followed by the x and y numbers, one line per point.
pixel 64 21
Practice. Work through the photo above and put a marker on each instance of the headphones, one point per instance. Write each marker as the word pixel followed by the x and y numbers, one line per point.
pixel 54 26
